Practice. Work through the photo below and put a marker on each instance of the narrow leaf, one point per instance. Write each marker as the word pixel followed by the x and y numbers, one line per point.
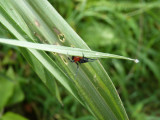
pixel 63 49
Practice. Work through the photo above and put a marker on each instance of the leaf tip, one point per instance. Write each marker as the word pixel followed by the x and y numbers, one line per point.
pixel 136 61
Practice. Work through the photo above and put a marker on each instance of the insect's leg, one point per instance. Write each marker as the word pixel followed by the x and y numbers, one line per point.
pixel 77 65
pixel 77 68
pixel 69 58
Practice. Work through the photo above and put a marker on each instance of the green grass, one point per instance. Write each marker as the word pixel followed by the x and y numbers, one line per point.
pixel 123 28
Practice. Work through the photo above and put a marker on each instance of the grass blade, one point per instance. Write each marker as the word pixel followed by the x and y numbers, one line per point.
pixel 63 49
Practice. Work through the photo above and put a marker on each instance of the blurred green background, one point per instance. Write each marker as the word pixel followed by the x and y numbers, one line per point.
pixel 122 27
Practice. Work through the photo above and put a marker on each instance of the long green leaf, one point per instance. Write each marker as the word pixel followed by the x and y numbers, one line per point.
pixel 63 49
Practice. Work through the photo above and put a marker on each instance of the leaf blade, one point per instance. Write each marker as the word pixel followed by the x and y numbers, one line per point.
pixel 62 49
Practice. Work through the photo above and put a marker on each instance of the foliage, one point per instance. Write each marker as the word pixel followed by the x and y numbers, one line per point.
pixel 118 27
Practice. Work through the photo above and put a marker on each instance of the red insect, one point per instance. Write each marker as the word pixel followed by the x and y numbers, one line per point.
pixel 78 60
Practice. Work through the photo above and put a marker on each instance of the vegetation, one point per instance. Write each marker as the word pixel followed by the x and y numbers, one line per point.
pixel 119 27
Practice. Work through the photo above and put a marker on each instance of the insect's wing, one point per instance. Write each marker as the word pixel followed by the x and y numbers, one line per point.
pixel 91 60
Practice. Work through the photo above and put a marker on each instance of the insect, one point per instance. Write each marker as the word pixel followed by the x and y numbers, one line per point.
pixel 78 60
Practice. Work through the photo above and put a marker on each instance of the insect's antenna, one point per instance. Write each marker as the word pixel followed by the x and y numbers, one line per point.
pixel 83 54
